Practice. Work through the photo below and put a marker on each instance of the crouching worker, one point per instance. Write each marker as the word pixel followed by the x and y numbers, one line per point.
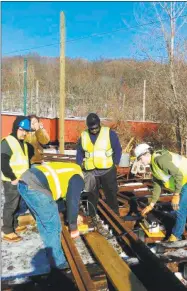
pixel 169 170
pixel 40 187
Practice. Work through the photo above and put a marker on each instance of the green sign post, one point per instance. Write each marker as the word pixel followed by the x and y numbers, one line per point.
pixel 25 88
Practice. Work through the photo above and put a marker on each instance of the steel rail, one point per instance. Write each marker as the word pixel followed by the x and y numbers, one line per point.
pixel 163 276
pixel 79 271
pixel 58 157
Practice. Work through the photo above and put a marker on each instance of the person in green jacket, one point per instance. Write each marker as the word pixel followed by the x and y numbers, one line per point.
pixel 168 170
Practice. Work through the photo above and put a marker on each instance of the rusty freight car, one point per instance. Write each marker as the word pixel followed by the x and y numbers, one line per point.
pixel 74 126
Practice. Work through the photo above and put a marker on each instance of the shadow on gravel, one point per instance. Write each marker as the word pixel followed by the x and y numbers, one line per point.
pixel 55 280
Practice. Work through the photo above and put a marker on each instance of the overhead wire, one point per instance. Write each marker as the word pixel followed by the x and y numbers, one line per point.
pixel 94 35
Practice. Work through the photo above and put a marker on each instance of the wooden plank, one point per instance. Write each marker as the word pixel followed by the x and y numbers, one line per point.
pixel 116 269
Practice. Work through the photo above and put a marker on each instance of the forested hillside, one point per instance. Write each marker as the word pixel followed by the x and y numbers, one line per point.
pixel 112 88
pixel 92 86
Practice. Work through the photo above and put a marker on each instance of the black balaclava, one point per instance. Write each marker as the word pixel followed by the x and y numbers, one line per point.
pixel 15 125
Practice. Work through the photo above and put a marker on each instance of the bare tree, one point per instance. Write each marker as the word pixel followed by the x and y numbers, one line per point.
pixel 168 32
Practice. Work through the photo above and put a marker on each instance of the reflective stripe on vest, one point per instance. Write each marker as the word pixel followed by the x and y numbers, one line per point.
pixel 179 161
pixel 56 180
pixel 19 161
pixel 98 155
pixel 58 175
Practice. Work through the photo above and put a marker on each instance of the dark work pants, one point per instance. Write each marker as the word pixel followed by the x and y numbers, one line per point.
pixel 110 188
pixel 13 207
pixel 91 192
pixel 93 197
pixel 12 200
pixel 108 182
pixel 76 185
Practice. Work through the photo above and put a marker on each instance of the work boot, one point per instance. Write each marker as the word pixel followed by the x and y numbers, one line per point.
pixel 172 238
pixel 11 237
pixel 21 229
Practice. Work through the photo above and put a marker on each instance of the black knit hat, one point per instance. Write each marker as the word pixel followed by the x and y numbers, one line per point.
pixel 92 119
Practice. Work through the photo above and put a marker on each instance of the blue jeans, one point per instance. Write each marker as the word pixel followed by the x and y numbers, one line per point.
pixel 48 221
pixel 181 214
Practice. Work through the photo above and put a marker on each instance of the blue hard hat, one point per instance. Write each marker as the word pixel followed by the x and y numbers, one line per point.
pixel 25 124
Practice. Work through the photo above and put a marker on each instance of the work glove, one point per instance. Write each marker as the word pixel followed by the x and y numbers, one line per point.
pixel 147 209
pixel 175 201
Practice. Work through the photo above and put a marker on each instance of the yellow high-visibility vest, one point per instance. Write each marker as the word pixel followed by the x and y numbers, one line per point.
pixel 98 155
pixel 19 161
pixel 58 175
pixel 179 161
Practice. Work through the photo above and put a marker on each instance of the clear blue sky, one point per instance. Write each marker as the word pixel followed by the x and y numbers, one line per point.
pixel 32 24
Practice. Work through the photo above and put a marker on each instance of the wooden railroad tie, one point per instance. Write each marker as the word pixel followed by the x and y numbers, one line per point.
pixel 117 271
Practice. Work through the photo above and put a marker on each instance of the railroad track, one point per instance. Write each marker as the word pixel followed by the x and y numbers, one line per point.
pixel 79 271
pixel 132 241
pixel 58 157
pixel 164 279
pixel 116 270
pixel 115 273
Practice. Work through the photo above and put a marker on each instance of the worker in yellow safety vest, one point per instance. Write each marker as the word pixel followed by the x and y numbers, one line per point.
pixel 15 160
pixel 43 187
pixel 98 153
pixel 169 170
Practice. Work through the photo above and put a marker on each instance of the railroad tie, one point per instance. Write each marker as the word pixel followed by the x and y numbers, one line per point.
pixel 117 271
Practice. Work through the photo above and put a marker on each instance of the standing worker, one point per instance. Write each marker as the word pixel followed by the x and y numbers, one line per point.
pixel 98 153
pixel 40 187
pixel 37 138
pixel 15 157
pixel 169 170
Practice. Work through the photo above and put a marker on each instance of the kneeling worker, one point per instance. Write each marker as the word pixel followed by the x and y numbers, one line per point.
pixel 40 187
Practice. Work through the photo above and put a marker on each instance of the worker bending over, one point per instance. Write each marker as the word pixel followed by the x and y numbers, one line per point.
pixel 98 153
pixel 169 170
pixel 41 186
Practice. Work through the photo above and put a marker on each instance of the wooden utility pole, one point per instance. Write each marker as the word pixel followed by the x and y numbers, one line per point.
pixel 144 93
pixel 37 97
pixel 62 82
